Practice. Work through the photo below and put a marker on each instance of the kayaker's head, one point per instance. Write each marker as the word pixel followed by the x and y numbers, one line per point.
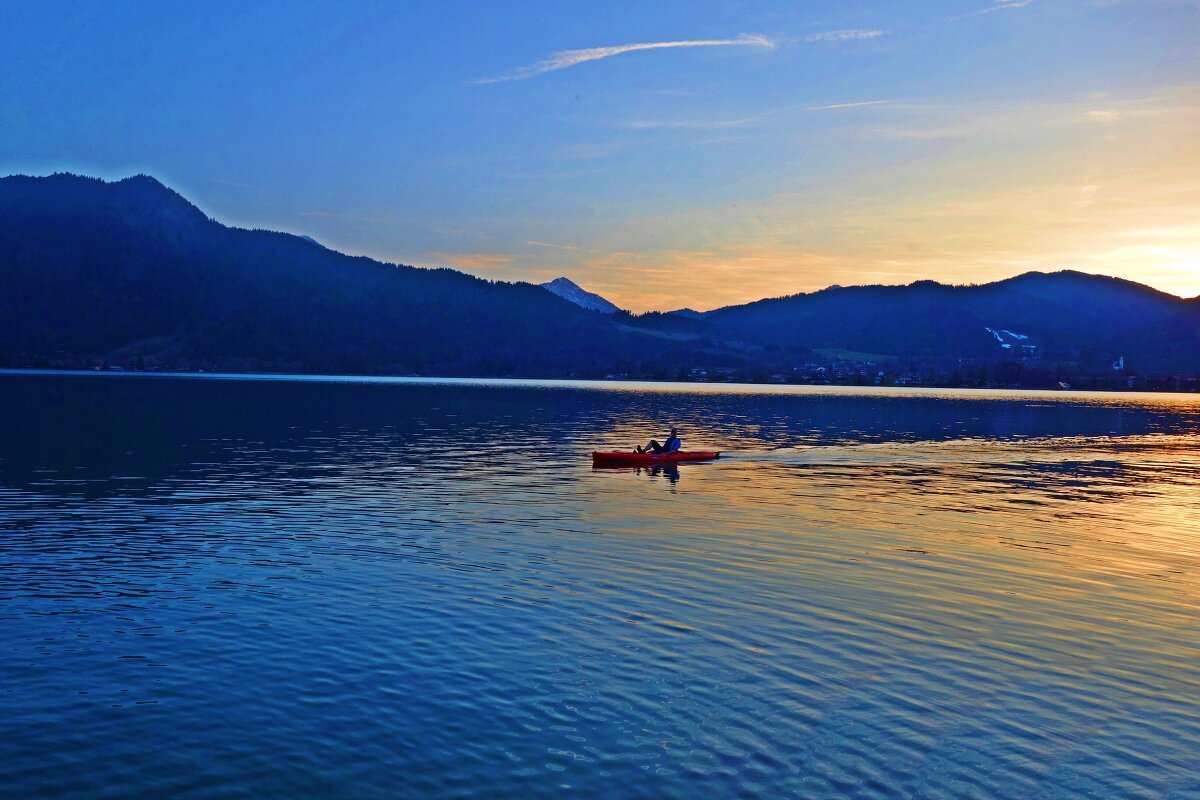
pixel 673 431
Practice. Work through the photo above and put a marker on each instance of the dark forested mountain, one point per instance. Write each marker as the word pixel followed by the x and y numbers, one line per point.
pixel 130 273
pixel 131 269
pixel 1063 316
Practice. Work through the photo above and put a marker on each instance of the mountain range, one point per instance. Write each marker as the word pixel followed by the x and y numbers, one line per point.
pixel 130 273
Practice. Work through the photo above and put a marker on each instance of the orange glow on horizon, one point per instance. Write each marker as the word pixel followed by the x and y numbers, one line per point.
pixel 1101 185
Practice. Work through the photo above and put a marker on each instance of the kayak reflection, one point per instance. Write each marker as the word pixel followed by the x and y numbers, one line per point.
pixel 668 471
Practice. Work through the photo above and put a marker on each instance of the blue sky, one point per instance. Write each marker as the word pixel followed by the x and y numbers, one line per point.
pixel 785 147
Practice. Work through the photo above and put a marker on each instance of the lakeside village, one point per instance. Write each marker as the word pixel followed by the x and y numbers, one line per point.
pixel 965 375
pixel 855 370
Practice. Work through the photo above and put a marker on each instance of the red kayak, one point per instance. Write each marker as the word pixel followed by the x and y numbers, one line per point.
pixel 651 458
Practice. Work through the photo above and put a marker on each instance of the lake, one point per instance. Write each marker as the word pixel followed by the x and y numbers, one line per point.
pixel 223 587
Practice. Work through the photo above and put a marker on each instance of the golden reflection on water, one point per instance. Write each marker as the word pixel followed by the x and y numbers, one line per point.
pixel 1072 535
pixel 1030 396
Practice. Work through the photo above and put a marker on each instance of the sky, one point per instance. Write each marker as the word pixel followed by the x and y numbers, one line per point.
pixel 665 155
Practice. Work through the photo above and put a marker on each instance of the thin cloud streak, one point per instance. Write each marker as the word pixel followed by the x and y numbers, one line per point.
pixel 536 243
pixel 476 261
pixel 699 124
pixel 844 35
pixel 716 124
pixel 847 105
pixel 569 58
pixel 1003 4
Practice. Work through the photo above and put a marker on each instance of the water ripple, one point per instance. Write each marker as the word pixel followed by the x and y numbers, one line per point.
pixel 368 589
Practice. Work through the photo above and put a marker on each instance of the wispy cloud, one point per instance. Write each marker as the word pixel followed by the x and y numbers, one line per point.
pixel 844 35
pixel 569 58
pixel 738 122
pixel 1000 5
pixel 924 134
pixel 536 243
pixel 677 93
pixel 234 184
pixel 997 5
pixel 691 124
pixel 476 261
pixel 847 105
pixel 588 151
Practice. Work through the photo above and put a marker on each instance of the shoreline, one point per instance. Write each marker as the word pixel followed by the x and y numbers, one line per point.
pixel 636 384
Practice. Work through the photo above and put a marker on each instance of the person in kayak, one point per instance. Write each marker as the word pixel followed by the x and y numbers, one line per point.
pixel 671 445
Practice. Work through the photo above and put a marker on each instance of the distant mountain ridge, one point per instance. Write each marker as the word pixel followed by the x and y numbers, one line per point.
pixel 1073 316
pixel 572 292
pixel 130 272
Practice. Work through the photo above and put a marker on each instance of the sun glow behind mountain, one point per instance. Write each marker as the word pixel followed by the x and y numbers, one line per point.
pixel 1114 191
pixel 750 152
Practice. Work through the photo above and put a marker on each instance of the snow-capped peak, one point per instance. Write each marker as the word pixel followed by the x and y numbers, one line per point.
pixel 570 291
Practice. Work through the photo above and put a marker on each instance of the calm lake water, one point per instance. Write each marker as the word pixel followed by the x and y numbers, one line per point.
pixel 218 588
